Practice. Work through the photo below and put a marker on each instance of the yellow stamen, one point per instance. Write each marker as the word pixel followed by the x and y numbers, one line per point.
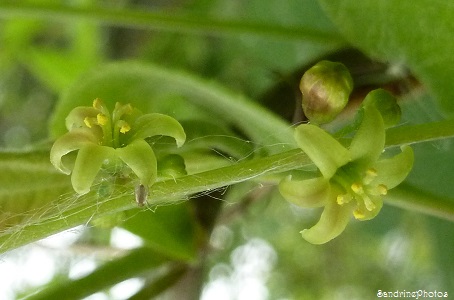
pixel 368 203
pixel 371 174
pixel 340 199
pixel 87 122
pixel 382 189
pixel 125 127
pixel 97 103
pixel 343 199
pixel 357 188
pixel 358 214
pixel 102 119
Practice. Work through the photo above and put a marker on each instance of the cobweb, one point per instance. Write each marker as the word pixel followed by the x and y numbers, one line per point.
pixel 112 192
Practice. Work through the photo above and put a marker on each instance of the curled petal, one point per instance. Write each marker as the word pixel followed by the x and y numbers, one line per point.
pixel 332 223
pixel 69 142
pixel 324 150
pixel 369 140
pixel 313 192
pixel 363 214
pixel 139 156
pixel 76 118
pixel 158 124
pixel 392 171
pixel 88 162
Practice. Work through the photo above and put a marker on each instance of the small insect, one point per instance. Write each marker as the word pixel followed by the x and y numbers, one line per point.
pixel 141 195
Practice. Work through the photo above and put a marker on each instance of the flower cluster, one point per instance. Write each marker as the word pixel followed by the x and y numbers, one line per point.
pixel 103 138
pixel 353 180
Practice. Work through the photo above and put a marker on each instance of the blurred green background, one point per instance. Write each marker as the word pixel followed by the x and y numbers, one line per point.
pixel 250 246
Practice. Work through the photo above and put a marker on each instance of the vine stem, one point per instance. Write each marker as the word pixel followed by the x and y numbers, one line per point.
pixel 166 21
pixel 58 218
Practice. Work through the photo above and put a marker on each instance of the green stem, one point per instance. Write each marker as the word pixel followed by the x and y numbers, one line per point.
pixel 409 197
pixel 166 21
pixel 59 216
pixel 411 134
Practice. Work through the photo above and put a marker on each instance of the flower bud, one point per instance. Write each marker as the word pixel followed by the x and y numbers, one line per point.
pixel 386 105
pixel 325 88
pixel 171 166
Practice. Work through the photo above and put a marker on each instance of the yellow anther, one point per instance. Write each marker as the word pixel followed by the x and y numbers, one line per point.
pixel 371 172
pixel 368 203
pixel 370 175
pixel 129 108
pixel 97 103
pixel 382 189
pixel 101 119
pixel 87 122
pixel 125 127
pixel 340 199
pixel 358 214
pixel 357 188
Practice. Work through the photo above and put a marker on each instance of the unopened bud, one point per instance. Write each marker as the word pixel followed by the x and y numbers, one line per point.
pixel 171 166
pixel 326 88
pixel 386 105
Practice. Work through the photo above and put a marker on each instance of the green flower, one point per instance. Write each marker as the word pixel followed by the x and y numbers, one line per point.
pixel 353 180
pixel 102 138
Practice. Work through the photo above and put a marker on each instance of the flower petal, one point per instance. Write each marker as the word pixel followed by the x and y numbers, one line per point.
pixel 312 192
pixel 324 150
pixel 332 223
pixel 369 140
pixel 392 171
pixel 140 157
pixel 88 162
pixel 363 214
pixel 69 142
pixel 76 117
pixel 158 124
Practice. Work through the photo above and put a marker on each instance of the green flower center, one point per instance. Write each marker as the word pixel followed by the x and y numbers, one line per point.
pixel 112 125
pixel 360 187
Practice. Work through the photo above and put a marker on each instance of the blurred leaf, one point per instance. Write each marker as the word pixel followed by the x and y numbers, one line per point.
pixel 54 68
pixel 28 183
pixel 170 230
pixel 413 33
pixel 134 264
pixel 161 283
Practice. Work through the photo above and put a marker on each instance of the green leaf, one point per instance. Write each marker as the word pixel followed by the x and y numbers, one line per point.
pixel 170 230
pixel 417 34
pixel 203 135
pixel 29 182
pixel 160 283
